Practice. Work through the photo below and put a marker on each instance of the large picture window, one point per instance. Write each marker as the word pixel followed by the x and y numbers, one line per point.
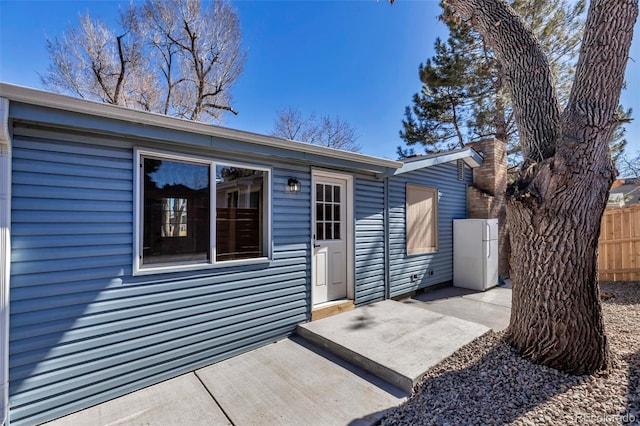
pixel 422 219
pixel 194 212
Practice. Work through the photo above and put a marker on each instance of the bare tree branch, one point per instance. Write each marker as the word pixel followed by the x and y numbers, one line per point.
pixel 176 57
pixel 290 124
pixel 339 134
pixel 595 95
pixel 330 132
pixel 629 166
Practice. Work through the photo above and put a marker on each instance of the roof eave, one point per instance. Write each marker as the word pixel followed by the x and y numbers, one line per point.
pixel 468 155
pixel 56 101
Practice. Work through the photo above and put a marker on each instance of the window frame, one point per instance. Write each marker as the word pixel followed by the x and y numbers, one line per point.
pixel 435 194
pixel 212 163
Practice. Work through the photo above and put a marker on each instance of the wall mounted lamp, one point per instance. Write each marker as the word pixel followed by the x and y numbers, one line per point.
pixel 293 184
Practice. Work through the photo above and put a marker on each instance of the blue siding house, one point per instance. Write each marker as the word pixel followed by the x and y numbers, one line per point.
pixel 136 247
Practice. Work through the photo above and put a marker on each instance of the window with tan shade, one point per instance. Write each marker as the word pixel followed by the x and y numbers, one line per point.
pixel 422 219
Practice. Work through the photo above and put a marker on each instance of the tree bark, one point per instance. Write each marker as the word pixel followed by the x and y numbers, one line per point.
pixel 556 317
pixel 527 73
pixel 555 206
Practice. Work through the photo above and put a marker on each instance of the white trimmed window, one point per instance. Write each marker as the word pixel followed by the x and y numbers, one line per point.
pixel 422 219
pixel 192 213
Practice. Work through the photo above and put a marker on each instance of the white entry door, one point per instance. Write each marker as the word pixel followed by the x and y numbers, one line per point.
pixel 331 234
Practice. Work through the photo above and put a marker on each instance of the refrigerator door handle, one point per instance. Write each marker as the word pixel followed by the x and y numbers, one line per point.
pixel 488 237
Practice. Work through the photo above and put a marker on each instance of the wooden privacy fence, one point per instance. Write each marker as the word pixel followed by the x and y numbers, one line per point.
pixel 619 244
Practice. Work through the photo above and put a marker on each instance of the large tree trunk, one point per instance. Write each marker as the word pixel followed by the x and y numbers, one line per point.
pixel 556 318
pixel 555 206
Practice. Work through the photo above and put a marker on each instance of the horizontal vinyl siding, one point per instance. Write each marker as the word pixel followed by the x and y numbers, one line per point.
pixel 83 329
pixel 369 244
pixel 451 205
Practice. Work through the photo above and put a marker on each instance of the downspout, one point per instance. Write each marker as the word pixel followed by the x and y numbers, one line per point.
pixel 387 278
pixel 5 254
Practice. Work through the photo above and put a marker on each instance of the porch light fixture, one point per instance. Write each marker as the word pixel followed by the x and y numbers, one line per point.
pixel 293 184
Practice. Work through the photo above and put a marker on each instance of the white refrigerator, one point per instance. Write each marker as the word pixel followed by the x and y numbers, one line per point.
pixel 475 253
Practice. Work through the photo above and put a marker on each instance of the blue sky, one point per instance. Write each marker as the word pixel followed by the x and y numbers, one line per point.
pixel 356 59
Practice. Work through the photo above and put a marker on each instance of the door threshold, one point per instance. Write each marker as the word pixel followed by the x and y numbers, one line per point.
pixel 333 307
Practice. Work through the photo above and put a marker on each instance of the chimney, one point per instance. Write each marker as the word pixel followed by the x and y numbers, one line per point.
pixel 486 198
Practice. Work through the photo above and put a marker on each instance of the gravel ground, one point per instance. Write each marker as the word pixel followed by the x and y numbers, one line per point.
pixel 485 382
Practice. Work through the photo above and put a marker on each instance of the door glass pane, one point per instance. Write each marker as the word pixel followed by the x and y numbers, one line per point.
pixel 328 212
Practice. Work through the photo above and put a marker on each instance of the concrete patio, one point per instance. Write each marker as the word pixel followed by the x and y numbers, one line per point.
pixel 491 308
pixel 294 381
pixel 396 341
pixel 400 340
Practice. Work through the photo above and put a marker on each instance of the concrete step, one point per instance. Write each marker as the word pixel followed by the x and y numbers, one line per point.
pixel 376 368
pixel 395 341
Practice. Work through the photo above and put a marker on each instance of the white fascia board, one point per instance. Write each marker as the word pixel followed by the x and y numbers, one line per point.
pixel 5 254
pixel 468 155
pixel 66 103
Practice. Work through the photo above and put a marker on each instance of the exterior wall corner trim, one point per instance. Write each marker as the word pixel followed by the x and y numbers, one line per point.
pixel 5 253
